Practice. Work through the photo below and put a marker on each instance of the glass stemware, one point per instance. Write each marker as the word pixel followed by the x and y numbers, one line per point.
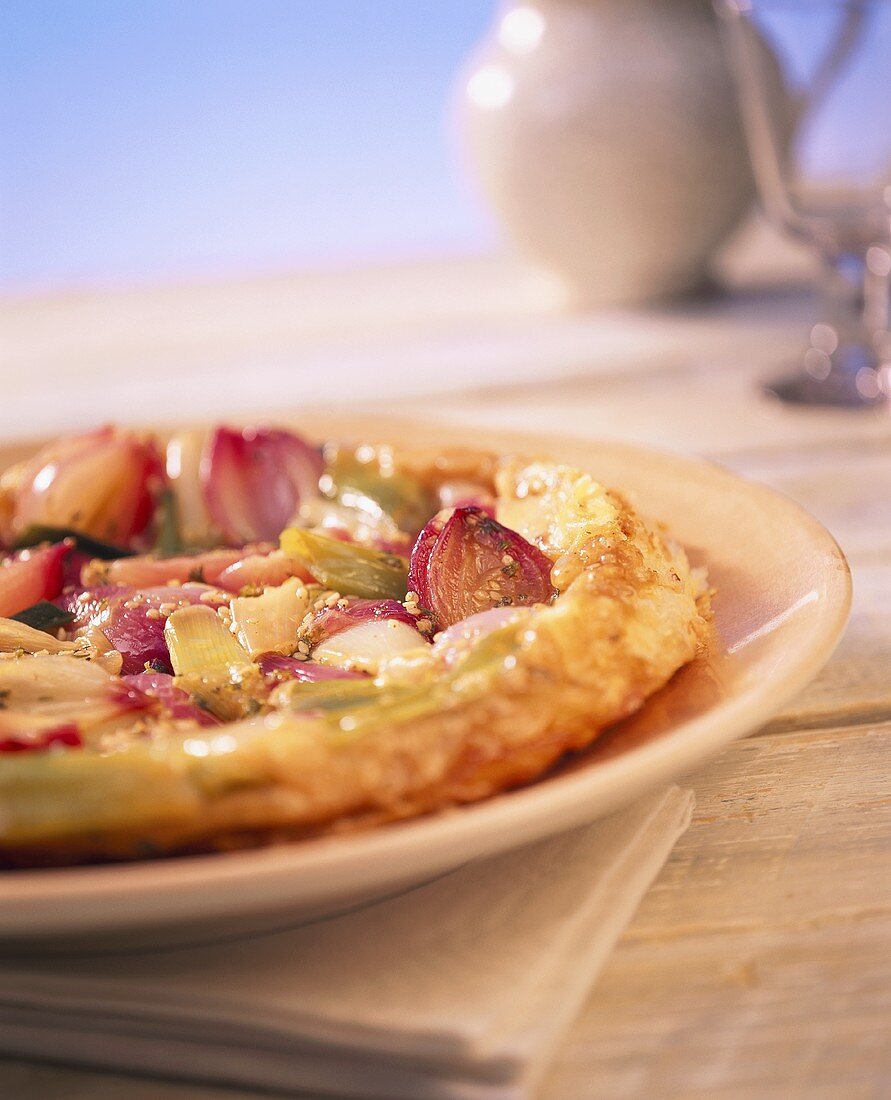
pixel 822 161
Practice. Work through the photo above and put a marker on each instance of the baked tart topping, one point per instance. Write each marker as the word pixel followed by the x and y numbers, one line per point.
pixel 234 635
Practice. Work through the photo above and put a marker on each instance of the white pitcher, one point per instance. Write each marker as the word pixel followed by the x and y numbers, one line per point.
pixel 605 136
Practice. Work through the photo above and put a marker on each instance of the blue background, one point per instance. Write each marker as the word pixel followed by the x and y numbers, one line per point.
pixel 140 140
pixel 149 139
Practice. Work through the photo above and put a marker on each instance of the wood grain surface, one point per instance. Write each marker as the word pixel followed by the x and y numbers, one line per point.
pixel 759 965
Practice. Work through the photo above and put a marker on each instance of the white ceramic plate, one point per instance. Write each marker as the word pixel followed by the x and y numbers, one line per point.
pixel 783 594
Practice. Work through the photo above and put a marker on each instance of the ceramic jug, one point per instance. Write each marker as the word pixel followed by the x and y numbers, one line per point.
pixel 606 138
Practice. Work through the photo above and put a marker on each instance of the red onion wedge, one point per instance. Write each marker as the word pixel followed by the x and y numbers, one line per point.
pixel 368 646
pixel 475 563
pixel 334 620
pixel 86 604
pixel 420 556
pixel 253 481
pixel 151 571
pixel 261 571
pixel 360 634
pixel 73 566
pixel 173 701
pixel 15 739
pixel 278 669
pixel 133 621
pixel 102 484
pixel 31 575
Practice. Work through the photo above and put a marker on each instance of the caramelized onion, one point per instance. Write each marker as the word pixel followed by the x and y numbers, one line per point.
pixel 149 570
pixel 278 669
pixel 172 700
pixel 133 621
pixel 472 563
pixel 102 484
pixel 31 575
pixel 254 480
pixel 261 571
pixel 347 613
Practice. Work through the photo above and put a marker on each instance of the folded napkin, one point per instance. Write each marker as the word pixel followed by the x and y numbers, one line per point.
pixel 458 990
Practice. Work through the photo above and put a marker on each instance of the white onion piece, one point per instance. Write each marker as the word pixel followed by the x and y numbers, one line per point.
pixel 268 623
pixel 15 635
pixel 365 647
pixel 64 689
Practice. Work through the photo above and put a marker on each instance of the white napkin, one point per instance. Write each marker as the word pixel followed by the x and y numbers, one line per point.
pixel 458 990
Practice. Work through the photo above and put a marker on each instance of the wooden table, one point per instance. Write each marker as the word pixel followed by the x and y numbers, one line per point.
pixel 759 965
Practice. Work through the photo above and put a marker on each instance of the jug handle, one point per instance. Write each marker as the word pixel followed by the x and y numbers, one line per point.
pixel 850 31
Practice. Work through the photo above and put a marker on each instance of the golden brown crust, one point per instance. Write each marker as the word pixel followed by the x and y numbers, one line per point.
pixel 629 614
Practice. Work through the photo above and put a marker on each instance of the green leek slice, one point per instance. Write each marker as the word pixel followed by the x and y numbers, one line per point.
pixel 347 567
pixel 200 642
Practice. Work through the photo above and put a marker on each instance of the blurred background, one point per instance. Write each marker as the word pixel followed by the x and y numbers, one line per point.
pixel 418 197
pixel 187 138
pixel 194 138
